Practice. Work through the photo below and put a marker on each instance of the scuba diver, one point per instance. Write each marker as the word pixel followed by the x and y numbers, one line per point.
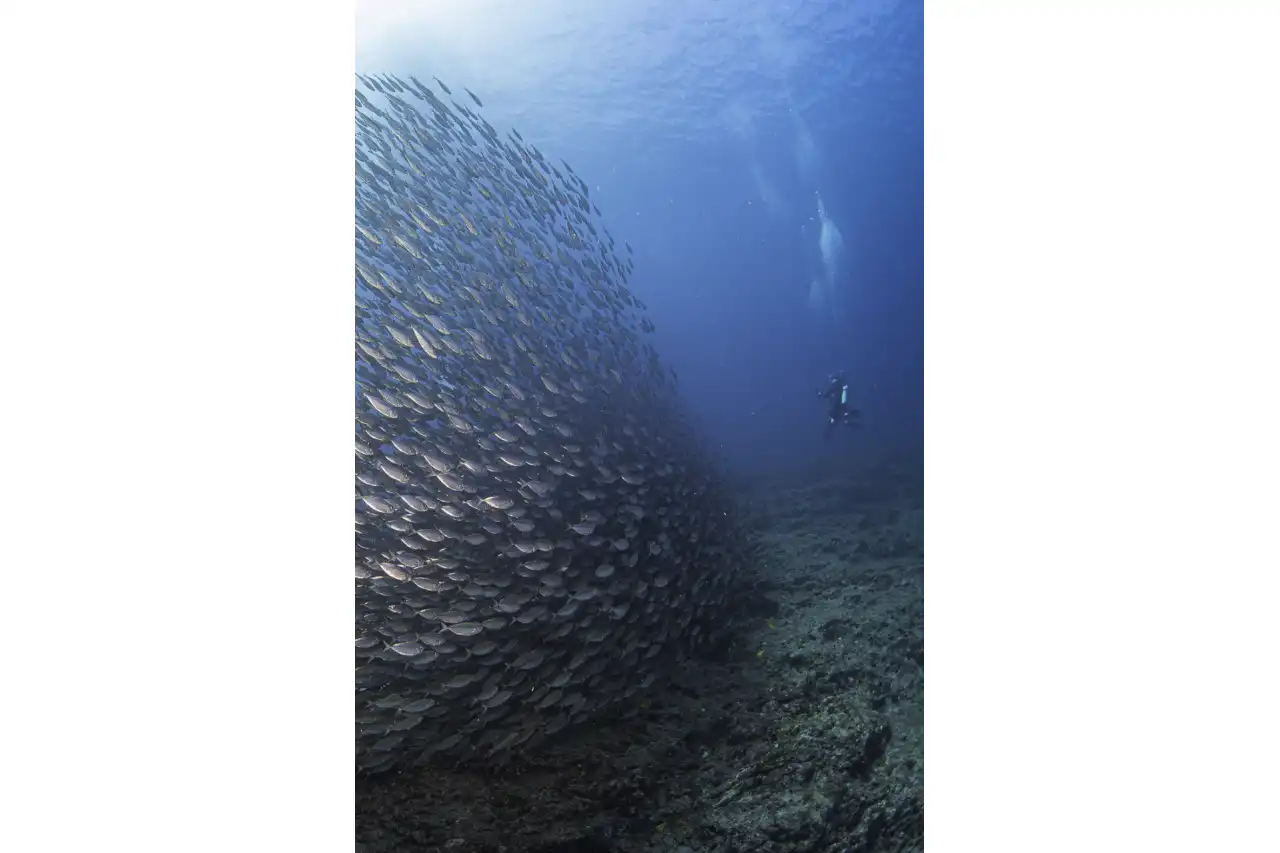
pixel 839 411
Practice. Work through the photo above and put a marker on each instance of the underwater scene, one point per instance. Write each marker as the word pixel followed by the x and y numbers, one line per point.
pixel 638 426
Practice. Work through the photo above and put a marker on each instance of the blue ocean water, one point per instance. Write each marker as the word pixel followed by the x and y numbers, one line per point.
pixel 709 134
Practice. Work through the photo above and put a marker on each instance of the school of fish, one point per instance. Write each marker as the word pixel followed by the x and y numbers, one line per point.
pixel 539 530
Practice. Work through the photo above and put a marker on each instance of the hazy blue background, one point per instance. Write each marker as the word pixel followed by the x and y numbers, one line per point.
pixel 704 130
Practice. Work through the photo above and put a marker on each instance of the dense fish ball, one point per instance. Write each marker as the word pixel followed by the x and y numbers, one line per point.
pixel 538 530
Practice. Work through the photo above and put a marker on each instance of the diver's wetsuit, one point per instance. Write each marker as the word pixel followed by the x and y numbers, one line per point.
pixel 840 412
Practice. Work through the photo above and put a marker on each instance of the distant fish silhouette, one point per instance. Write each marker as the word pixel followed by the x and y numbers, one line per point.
pixel 473 96
pixel 442 86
